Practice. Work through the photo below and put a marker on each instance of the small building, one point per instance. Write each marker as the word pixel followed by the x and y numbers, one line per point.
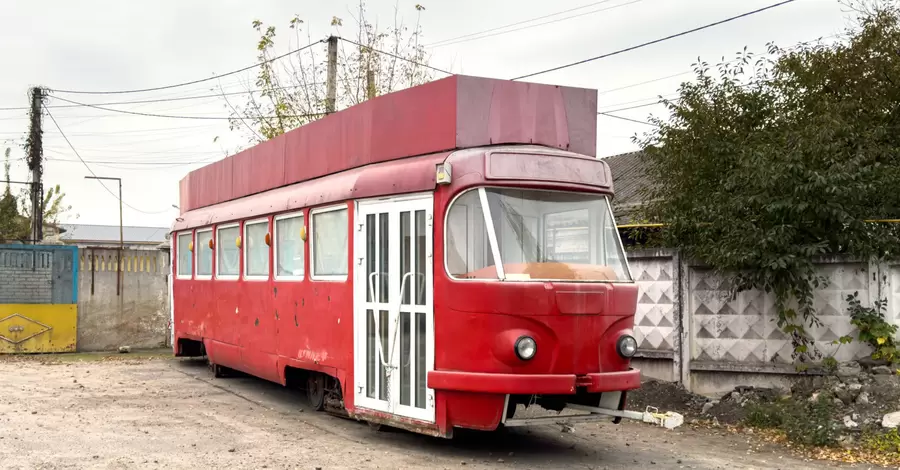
pixel 107 236
pixel 629 182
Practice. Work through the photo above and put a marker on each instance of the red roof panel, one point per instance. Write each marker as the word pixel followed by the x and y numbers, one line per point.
pixel 455 112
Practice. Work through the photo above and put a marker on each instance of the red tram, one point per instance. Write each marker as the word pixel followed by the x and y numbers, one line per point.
pixel 429 259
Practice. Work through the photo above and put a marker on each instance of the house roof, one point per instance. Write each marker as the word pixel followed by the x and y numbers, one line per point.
pixel 629 180
pixel 110 234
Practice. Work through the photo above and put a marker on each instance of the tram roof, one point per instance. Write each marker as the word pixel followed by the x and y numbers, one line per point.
pixel 444 115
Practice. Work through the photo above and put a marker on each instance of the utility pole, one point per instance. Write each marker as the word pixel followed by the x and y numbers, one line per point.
pixel 331 79
pixel 35 150
pixel 370 82
pixel 121 232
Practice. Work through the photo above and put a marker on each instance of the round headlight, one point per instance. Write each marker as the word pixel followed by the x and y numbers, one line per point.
pixel 525 348
pixel 627 346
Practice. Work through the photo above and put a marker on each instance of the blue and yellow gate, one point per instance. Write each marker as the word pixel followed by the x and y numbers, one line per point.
pixel 38 298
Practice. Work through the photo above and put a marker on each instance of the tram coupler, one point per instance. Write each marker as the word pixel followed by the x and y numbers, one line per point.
pixel 651 415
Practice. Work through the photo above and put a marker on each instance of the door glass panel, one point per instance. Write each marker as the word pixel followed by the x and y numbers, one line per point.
pixel 370 257
pixel 370 353
pixel 384 255
pixel 420 276
pixel 404 358
pixel 405 258
pixel 385 354
pixel 420 359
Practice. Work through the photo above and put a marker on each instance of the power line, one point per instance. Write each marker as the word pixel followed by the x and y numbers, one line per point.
pixel 92 171
pixel 626 119
pixel 634 107
pixel 161 100
pixel 625 87
pixel 442 41
pixel 655 41
pixel 172 116
pixel 114 162
pixel 467 38
pixel 192 82
pixel 396 56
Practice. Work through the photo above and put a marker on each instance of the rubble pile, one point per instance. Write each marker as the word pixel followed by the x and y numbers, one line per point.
pixel 859 399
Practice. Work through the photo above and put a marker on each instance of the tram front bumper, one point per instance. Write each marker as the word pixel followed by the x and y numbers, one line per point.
pixel 533 384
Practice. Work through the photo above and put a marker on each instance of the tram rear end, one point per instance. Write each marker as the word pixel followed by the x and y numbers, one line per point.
pixel 534 302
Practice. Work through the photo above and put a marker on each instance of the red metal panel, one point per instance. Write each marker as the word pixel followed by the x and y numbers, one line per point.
pixel 184 193
pixel 505 112
pixel 415 121
pixel 455 112
pixel 264 167
pixel 370 181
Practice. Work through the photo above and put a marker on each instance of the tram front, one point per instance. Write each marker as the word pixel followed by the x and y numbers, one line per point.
pixel 534 300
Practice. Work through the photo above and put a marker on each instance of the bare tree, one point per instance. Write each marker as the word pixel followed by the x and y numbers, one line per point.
pixel 290 92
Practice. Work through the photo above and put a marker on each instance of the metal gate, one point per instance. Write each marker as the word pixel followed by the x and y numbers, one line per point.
pixel 38 298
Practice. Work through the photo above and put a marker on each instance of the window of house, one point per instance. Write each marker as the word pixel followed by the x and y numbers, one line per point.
pixel 185 259
pixel 228 256
pixel 329 243
pixel 204 253
pixel 289 247
pixel 256 256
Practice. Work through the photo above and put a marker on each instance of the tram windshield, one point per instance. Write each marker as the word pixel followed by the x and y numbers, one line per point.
pixel 540 235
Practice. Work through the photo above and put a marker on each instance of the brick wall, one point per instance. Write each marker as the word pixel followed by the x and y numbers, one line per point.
pixel 26 277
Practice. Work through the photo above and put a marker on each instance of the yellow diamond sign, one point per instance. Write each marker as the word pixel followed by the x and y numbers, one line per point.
pixel 17 328
pixel 38 328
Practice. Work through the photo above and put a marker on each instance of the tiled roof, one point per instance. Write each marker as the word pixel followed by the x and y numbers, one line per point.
pixel 629 180
pixel 110 233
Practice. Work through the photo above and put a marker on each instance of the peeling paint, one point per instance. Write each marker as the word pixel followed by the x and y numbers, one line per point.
pixel 312 356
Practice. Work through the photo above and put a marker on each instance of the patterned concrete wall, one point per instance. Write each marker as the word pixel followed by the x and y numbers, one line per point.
pixel 686 323
pixel 655 320
pixel 744 330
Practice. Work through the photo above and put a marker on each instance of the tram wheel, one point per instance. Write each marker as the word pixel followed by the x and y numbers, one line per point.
pixel 219 371
pixel 315 390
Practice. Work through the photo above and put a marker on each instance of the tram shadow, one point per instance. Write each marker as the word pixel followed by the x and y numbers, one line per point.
pixel 538 444
pixel 544 444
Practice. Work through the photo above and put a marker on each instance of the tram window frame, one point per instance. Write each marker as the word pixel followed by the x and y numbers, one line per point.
pixel 179 274
pixel 245 247
pixel 289 277
pixel 312 244
pixel 198 249
pixel 218 265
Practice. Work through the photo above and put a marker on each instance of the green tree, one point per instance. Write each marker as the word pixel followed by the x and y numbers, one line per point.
pixel 290 92
pixel 777 159
pixel 12 225
pixel 15 213
pixel 54 205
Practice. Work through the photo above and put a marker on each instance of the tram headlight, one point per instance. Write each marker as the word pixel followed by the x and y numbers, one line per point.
pixel 627 346
pixel 526 348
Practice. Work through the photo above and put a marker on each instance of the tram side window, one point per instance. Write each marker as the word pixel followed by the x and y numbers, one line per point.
pixel 204 253
pixel 329 247
pixel 289 247
pixel 256 258
pixel 185 260
pixel 228 256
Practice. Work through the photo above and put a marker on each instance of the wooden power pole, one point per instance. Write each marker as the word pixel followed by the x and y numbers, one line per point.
pixel 331 78
pixel 370 82
pixel 35 150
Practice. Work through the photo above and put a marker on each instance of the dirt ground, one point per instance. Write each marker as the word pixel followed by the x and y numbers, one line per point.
pixel 166 413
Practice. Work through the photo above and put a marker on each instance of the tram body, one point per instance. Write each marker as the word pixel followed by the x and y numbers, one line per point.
pixel 429 292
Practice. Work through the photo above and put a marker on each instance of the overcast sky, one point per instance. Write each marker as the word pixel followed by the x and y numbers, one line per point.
pixel 115 45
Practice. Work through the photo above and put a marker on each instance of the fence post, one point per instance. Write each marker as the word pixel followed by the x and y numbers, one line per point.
pixel 682 311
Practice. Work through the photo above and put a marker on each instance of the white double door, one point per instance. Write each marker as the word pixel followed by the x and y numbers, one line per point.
pixel 393 325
